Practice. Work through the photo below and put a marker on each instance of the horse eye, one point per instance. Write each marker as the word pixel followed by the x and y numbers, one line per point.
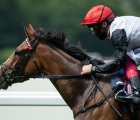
pixel 17 53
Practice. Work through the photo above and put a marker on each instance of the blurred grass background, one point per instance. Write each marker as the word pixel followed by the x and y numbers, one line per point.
pixel 63 15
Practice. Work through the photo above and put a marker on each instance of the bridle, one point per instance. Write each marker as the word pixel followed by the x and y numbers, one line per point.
pixel 10 77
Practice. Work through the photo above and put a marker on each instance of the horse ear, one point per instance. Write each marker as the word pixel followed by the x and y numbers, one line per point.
pixel 31 28
pixel 29 33
pixel 25 29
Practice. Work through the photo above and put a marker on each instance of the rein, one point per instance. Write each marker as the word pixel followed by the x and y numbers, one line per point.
pixel 26 77
pixel 85 109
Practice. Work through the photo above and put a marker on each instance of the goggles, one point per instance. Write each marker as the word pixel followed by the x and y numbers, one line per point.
pixel 94 27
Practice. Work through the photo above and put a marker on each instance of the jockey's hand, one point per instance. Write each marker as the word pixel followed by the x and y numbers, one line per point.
pixel 86 69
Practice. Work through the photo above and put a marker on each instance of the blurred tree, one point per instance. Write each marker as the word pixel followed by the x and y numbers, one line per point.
pixel 10 24
pixel 5 54
pixel 59 14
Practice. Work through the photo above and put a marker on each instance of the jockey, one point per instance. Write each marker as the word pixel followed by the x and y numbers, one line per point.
pixel 124 33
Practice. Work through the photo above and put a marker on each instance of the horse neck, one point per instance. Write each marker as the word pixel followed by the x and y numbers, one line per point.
pixel 57 62
pixel 75 92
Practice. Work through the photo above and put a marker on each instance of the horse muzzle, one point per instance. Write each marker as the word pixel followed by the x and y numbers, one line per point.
pixel 3 83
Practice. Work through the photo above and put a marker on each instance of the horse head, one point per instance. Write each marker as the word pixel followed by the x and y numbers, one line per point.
pixel 12 66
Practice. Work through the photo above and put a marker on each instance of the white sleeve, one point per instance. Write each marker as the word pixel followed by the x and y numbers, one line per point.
pixel 135 57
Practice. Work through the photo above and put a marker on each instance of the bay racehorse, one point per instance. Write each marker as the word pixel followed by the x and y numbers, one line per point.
pixel 47 53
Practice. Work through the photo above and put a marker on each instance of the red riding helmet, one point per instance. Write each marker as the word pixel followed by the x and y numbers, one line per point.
pixel 97 14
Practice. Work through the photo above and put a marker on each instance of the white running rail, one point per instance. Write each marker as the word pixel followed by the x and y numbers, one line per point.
pixel 31 99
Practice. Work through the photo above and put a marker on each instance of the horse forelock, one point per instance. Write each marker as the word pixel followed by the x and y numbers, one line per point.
pixel 59 39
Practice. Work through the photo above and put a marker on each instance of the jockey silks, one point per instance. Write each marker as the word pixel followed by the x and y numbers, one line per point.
pixel 131 26
pixel 124 33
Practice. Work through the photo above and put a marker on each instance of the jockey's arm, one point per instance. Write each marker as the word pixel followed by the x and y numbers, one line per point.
pixel 119 41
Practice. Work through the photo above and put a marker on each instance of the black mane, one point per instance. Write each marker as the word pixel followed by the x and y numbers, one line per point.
pixel 58 39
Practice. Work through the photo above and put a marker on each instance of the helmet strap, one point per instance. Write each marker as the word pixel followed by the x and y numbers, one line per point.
pixel 108 19
pixel 101 15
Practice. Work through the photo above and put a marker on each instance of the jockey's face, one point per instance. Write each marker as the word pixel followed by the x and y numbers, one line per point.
pixel 100 30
